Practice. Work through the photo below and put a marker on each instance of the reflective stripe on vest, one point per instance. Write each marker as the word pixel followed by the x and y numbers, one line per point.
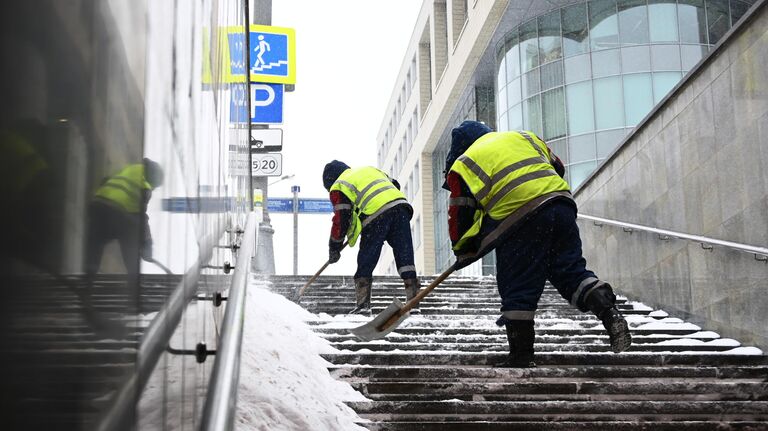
pixel 504 171
pixel 126 189
pixel 371 192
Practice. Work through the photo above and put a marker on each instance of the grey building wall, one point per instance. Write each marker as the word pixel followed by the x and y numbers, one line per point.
pixel 90 87
pixel 697 164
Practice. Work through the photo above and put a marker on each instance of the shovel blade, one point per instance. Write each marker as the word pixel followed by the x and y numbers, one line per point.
pixel 370 331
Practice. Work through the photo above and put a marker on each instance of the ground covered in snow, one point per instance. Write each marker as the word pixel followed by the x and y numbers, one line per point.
pixel 284 383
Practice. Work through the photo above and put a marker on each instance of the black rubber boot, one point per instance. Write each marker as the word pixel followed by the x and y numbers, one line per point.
pixel 520 335
pixel 363 296
pixel 602 302
pixel 412 287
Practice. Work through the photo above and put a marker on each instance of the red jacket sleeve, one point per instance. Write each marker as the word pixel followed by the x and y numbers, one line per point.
pixel 342 217
pixel 556 163
pixel 461 207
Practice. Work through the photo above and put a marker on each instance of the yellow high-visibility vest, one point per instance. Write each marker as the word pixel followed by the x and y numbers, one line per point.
pixel 371 192
pixel 504 171
pixel 20 165
pixel 126 189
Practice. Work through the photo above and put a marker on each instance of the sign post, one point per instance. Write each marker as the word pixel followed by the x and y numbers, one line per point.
pixel 266 140
pixel 295 190
pixel 267 165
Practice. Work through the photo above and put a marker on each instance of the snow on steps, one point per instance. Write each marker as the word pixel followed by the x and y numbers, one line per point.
pixel 434 373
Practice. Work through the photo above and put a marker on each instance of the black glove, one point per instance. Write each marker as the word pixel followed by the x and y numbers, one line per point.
pixel 146 251
pixel 333 256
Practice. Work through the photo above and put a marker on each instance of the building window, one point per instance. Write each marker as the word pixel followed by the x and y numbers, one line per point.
pixel 638 90
pixel 662 18
pixel 529 45
pixel 633 22
pixel 416 178
pixel 609 104
pixel 575 30
pixel 416 232
pixel 550 43
pixel 603 24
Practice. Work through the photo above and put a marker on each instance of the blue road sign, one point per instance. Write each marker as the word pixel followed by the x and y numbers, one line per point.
pixel 315 206
pixel 269 53
pixel 236 49
pixel 280 205
pixel 266 103
pixel 198 204
pixel 307 206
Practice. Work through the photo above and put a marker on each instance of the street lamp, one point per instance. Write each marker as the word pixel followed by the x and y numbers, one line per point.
pixel 284 177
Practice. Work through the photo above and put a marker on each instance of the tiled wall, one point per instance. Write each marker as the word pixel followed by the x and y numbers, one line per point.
pixel 698 165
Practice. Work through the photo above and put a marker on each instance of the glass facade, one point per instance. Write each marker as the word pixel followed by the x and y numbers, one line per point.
pixel 582 76
pixel 114 134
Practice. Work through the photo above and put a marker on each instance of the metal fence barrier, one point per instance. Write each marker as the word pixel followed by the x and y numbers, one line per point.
pixel 220 402
pixel 760 253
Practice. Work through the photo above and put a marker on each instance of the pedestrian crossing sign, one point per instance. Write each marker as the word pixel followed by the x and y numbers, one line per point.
pixel 273 54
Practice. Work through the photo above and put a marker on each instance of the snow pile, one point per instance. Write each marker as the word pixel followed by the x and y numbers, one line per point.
pixel 284 383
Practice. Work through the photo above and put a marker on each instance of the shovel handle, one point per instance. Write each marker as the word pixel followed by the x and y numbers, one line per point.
pixel 317 274
pixel 160 265
pixel 416 299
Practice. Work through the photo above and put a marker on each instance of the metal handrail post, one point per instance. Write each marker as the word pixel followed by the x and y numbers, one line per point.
pixel 220 402
pixel 155 339
pixel 666 234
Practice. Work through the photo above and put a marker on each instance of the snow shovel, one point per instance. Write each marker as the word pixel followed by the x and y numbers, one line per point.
pixel 389 319
pixel 299 294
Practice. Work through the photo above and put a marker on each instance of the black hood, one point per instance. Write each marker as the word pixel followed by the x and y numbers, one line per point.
pixel 461 139
pixel 331 173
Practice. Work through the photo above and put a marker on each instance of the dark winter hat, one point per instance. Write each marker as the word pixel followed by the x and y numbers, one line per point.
pixel 153 173
pixel 461 138
pixel 331 173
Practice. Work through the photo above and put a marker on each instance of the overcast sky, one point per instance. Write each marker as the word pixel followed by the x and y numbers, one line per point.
pixel 348 55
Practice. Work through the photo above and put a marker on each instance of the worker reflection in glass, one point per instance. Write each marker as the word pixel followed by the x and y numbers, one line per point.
pixel 24 184
pixel 119 212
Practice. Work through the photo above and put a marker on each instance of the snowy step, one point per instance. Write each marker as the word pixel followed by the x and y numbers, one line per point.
pixel 563 388
pixel 544 359
pixel 491 329
pixel 560 425
pixel 540 347
pixel 451 410
pixel 700 337
pixel 432 373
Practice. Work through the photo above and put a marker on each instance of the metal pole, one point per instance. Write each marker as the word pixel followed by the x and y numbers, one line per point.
pixel 295 190
pixel 221 401
pixel 261 13
pixel 248 98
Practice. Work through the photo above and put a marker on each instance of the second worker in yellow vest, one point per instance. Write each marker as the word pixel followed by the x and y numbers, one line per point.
pixel 119 212
pixel 508 194
pixel 368 204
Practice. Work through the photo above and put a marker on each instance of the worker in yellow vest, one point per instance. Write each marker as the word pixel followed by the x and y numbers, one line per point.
pixel 508 194
pixel 118 211
pixel 25 178
pixel 367 203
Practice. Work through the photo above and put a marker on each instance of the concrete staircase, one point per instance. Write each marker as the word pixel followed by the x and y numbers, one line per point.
pixel 434 373
pixel 58 371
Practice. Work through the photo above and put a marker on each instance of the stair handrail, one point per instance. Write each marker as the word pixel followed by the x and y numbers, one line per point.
pixel 220 401
pixel 156 337
pixel 707 243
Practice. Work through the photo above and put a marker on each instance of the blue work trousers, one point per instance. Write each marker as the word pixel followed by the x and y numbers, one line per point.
pixel 546 247
pixel 392 226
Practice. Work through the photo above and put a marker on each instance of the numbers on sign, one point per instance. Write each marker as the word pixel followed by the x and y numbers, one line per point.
pixel 268 165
